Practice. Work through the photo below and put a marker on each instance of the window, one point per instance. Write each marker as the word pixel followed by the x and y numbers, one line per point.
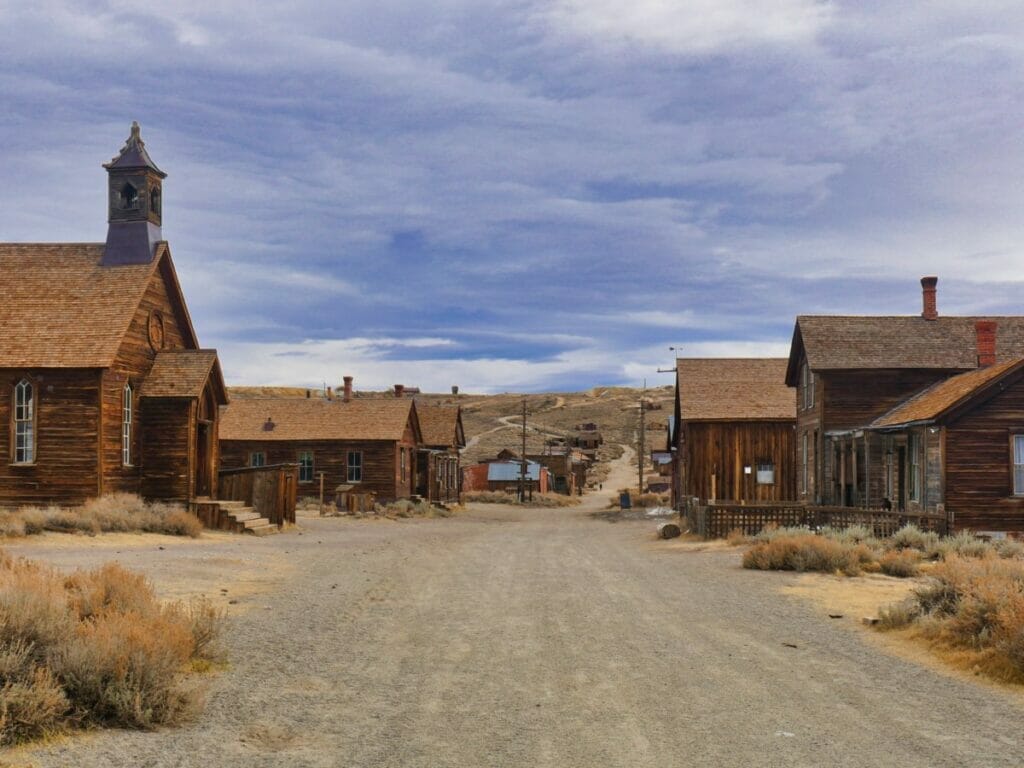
pixel 257 459
pixel 401 458
pixel 129 198
pixel 305 466
pixel 126 426
pixel 1018 465
pixel 154 200
pixel 808 386
pixel 24 423
pixel 803 463
pixel 355 466
pixel 765 473
pixel 914 455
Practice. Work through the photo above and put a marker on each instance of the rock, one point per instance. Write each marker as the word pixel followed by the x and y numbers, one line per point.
pixel 869 621
pixel 668 530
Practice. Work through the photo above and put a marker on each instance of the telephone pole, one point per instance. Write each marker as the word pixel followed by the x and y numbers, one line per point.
pixel 522 467
pixel 642 442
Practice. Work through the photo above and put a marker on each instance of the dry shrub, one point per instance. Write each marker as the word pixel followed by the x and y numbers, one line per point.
pixel 807 552
pixel 966 544
pixel 11 525
pixel 912 537
pixel 899 615
pixel 902 563
pixel 95 647
pixel 116 512
pixel 490 497
pixel 737 537
pixel 773 531
pixel 538 500
pixel 1011 549
pixel 854 534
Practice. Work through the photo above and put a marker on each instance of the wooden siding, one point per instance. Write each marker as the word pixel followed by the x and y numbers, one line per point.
pixel 67 443
pixel 723 449
pixel 852 399
pixel 979 479
pixel 381 468
pixel 168 434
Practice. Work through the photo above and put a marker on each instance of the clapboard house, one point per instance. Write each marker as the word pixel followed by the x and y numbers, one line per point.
pixel 369 444
pixel 849 371
pixel 733 430
pixel 104 385
pixel 438 467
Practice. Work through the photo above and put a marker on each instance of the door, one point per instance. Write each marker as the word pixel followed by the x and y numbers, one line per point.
pixel 203 456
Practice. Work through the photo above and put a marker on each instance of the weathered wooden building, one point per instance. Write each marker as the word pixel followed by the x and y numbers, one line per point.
pixel 505 476
pixel 848 371
pixel 438 463
pixel 105 387
pixel 733 429
pixel 370 444
pixel 568 468
pixel 958 447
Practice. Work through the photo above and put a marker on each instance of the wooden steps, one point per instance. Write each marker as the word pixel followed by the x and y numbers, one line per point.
pixel 232 516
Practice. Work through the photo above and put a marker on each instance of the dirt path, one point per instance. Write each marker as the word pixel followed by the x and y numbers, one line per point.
pixel 510 637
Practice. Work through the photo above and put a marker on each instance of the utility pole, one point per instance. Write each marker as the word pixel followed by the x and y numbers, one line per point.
pixel 642 442
pixel 522 468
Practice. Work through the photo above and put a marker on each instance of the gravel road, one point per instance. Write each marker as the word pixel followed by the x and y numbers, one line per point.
pixel 506 637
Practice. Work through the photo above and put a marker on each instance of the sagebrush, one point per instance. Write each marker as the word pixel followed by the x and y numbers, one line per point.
pixel 116 512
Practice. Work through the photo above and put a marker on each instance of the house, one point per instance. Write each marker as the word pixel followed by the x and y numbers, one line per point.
pixel 505 476
pixel 568 468
pixel 733 430
pixel 958 447
pixel 368 443
pixel 107 388
pixel 848 371
pixel 438 468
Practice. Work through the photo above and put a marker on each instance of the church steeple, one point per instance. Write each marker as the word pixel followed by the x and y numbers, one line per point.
pixel 135 198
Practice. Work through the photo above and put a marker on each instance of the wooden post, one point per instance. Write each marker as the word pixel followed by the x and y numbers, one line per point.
pixel 641 447
pixel 321 494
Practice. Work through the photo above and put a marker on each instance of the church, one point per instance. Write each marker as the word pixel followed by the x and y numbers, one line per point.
pixel 103 385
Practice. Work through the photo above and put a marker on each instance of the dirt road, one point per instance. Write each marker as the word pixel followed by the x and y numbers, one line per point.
pixel 507 638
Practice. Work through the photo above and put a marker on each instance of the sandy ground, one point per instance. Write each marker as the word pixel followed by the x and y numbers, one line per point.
pixel 515 637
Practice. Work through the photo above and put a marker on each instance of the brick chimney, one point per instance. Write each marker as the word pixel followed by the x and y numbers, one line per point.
pixel 399 390
pixel 985 332
pixel 348 389
pixel 930 310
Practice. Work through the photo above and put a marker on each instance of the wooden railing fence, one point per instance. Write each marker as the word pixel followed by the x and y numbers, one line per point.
pixel 272 491
pixel 718 520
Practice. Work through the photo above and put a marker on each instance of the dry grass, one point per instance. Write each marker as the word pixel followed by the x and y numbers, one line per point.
pixel 95 648
pixel 972 611
pixel 117 512
pixel 548 500
pixel 901 563
pixel 640 500
pixel 808 552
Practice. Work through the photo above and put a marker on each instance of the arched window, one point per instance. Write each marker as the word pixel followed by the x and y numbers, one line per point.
pixel 24 423
pixel 154 200
pixel 129 197
pixel 126 427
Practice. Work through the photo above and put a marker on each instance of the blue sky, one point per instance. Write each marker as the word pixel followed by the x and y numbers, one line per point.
pixel 529 195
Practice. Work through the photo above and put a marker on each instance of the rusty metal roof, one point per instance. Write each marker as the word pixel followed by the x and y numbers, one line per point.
pixel 734 389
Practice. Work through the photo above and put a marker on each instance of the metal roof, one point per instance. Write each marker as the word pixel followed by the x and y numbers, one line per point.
pixel 506 471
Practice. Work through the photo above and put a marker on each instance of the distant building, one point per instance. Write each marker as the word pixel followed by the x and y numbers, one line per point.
pixel 505 476
pixel 438 468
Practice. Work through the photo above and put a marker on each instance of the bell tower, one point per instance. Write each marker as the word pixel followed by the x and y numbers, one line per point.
pixel 135 204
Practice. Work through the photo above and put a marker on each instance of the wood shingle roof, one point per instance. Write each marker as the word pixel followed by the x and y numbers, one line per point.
pixel 838 342
pixel 734 389
pixel 309 419
pixel 60 308
pixel 439 424
pixel 183 373
pixel 936 400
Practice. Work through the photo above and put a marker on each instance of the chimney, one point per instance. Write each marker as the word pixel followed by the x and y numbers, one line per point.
pixel 330 393
pixel 348 389
pixel 455 390
pixel 399 390
pixel 930 311
pixel 985 332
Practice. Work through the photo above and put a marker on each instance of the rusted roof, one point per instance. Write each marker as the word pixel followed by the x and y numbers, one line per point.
pixel 59 308
pixel 302 419
pixel 734 389
pixel 941 397
pixel 183 373
pixel 440 424
pixel 843 342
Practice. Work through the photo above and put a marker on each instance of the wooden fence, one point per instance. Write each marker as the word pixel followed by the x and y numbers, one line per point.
pixel 715 521
pixel 271 491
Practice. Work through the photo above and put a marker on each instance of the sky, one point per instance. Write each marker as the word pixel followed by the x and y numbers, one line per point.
pixel 529 196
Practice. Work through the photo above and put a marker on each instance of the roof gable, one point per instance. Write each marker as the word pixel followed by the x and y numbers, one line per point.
pixel 59 308
pixel 734 389
pixel 441 425
pixel 185 373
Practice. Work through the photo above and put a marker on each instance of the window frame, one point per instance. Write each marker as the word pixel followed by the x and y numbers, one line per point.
pixel 127 423
pixel 759 467
pixel 804 456
pixel 30 422
pixel 914 466
pixel 1017 463
pixel 403 462
pixel 354 467
pixel 262 459
pixel 301 457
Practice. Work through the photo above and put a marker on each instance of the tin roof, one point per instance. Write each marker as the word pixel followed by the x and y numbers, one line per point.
pixel 506 471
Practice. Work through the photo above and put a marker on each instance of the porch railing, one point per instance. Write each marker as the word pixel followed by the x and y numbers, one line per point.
pixel 271 491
